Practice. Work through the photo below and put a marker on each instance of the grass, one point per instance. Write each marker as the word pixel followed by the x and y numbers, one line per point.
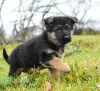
pixel 83 56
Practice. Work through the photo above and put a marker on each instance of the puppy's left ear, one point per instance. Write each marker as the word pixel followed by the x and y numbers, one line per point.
pixel 74 20
pixel 49 21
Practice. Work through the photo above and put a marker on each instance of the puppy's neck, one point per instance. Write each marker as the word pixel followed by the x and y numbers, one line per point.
pixel 53 41
pixel 58 46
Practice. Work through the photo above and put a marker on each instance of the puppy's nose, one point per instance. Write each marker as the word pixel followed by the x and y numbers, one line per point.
pixel 67 38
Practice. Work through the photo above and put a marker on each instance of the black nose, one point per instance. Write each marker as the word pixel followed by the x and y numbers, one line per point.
pixel 67 39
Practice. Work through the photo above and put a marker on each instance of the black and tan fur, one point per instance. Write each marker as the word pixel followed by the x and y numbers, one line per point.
pixel 45 50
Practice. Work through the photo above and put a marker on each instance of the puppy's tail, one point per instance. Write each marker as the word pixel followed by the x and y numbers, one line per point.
pixel 5 55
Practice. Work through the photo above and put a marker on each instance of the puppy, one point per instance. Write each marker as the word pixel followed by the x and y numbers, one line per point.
pixel 45 50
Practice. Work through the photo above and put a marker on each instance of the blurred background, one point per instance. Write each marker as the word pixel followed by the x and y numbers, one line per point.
pixel 21 20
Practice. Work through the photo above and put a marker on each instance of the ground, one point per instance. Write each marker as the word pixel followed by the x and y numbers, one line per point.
pixel 83 56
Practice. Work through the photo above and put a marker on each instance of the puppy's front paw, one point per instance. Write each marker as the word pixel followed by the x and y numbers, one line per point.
pixel 57 64
pixel 66 68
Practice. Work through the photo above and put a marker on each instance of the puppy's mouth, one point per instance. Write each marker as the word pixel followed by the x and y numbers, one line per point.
pixel 67 39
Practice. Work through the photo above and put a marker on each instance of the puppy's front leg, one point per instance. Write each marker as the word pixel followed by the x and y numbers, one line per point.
pixel 55 73
pixel 57 64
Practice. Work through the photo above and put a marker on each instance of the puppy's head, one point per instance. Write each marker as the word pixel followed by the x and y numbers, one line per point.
pixel 60 28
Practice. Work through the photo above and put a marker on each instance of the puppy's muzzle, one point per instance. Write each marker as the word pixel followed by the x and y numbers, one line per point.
pixel 67 39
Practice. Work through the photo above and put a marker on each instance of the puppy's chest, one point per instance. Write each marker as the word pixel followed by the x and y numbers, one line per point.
pixel 57 53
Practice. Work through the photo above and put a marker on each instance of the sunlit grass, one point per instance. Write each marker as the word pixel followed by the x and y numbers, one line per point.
pixel 83 56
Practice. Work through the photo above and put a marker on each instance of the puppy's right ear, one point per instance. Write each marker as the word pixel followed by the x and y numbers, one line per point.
pixel 49 21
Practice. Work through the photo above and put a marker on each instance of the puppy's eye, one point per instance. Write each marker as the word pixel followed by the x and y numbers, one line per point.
pixel 68 26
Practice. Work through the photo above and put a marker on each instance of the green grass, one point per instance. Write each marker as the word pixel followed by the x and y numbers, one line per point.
pixel 83 56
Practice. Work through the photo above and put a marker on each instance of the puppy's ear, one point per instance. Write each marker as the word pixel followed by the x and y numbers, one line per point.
pixel 48 21
pixel 74 20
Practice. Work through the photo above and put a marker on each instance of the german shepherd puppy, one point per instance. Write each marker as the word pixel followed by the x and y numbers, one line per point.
pixel 45 50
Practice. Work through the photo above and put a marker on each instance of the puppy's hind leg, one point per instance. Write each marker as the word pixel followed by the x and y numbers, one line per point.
pixel 15 71
pixel 28 71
